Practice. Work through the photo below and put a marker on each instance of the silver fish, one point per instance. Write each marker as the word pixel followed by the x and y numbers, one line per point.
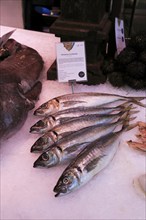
pixel 90 161
pixel 69 147
pixel 86 99
pixel 82 122
pixel 60 117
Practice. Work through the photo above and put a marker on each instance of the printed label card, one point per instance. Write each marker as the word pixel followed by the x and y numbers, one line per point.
pixel 71 61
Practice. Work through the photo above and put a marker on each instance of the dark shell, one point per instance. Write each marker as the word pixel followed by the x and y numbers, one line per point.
pixel 138 42
pixel 136 84
pixel 126 56
pixel 116 79
pixel 142 57
pixel 136 70
pixel 108 67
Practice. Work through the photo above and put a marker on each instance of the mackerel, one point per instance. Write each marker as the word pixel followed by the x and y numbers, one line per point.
pixel 85 99
pixel 82 122
pixel 60 117
pixel 69 147
pixel 89 162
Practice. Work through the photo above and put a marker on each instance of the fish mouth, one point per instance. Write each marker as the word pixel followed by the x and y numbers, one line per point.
pixel 38 163
pixel 36 149
pixel 38 127
pixel 38 112
pixel 34 130
pixel 57 194
pixel 59 190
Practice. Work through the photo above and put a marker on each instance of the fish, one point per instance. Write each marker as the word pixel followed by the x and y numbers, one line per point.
pixel 20 68
pixel 78 123
pixel 60 117
pixel 84 99
pixel 88 163
pixel 69 147
pixel 14 107
pixel 5 38
pixel 51 137
pixel 23 65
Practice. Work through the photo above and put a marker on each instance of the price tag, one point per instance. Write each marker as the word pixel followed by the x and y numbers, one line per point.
pixel 119 33
pixel 71 61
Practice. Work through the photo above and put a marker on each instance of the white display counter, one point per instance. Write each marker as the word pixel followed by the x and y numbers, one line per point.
pixel 27 192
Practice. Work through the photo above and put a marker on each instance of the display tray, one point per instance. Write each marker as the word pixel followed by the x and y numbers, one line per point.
pixel 27 192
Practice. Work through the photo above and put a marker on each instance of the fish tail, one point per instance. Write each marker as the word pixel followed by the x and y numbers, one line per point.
pixel 137 102
pixel 126 126
pixel 126 109
pixel 124 105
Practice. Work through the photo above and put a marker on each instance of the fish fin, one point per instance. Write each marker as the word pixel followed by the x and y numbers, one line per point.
pixel 127 127
pixel 33 94
pixel 24 86
pixel 136 102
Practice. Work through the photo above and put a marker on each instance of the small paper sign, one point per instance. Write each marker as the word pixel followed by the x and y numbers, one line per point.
pixel 119 33
pixel 71 61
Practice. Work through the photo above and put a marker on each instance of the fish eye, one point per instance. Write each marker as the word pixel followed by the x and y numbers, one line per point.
pixel 45 156
pixel 66 180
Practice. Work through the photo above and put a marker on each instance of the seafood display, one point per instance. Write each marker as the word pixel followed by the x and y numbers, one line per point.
pixel 81 130
pixel 20 68
pixel 141 136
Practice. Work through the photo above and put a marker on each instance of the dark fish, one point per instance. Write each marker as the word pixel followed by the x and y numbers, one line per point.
pixel 23 65
pixel 14 107
pixel 20 68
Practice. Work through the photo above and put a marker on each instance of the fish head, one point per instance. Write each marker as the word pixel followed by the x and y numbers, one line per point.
pixel 47 159
pixel 41 144
pixel 47 108
pixel 66 183
pixel 39 127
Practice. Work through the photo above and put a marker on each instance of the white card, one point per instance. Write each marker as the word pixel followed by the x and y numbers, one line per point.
pixel 119 34
pixel 71 61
